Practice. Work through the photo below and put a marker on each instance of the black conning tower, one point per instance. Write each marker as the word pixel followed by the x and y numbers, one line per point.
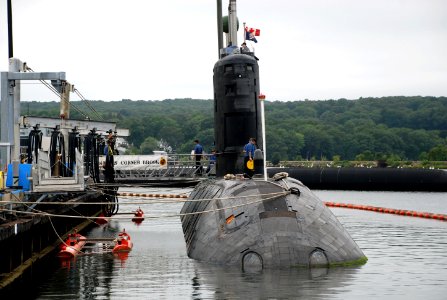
pixel 237 110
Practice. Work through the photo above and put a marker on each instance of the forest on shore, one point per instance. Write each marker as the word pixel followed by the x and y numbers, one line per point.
pixel 389 128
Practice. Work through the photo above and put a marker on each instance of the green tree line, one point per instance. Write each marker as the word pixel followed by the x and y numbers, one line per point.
pixel 405 128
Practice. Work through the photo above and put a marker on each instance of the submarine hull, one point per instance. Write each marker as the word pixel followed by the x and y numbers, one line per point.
pixel 264 224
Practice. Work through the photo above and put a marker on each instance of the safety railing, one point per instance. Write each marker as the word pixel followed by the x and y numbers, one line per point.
pixel 178 166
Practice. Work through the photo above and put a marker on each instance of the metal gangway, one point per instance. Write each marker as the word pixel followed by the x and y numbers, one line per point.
pixel 174 169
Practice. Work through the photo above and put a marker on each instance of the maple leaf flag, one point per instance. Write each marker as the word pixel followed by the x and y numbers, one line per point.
pixel 256 32
pixel 251 33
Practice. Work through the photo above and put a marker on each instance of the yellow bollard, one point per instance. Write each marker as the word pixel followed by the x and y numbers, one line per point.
pixel 2 180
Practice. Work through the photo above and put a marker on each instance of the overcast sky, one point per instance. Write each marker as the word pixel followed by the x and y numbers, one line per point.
pixel 308 49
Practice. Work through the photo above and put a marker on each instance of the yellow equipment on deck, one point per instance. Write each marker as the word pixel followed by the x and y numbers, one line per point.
pixel 2 180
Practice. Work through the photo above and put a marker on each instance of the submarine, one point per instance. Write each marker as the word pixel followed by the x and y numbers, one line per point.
pixel 255 222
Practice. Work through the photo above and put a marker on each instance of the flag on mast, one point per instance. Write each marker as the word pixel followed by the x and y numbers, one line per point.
pixel 252 33
pixel 257 32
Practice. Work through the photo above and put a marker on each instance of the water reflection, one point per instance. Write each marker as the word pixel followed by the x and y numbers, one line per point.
pixel 232 283
pixel 84 277
pixel 122 256
pixel 67 263
pixel 406 261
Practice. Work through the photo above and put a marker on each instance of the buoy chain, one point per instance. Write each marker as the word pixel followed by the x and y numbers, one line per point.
pixel 401 212
pixel 153 195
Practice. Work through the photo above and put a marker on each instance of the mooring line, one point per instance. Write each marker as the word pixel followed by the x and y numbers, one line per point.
pixel 165 200
pixel 60 238
pixel 151 217
pixel 401 212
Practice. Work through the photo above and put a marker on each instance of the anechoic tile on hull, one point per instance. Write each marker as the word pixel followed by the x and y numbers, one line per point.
pixel 283 230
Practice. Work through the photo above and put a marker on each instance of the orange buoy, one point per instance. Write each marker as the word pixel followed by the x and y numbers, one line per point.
pixel 138 216
pixel 72 246
pixel 101 220
pixel 123 243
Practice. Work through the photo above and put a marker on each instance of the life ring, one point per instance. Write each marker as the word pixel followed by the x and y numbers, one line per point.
pixel 162 161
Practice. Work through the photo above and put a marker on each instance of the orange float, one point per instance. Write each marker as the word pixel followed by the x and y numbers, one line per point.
pixel 72 246
pixel 101 220
pixel 123 243
pixel 138 216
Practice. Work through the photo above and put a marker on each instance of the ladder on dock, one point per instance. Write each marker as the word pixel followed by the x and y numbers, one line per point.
pixel 44 182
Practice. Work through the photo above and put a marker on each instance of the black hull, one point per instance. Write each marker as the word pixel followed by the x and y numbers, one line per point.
pixel 369 179
pixel 264 224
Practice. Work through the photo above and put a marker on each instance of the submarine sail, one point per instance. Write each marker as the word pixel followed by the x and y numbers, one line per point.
pixel 237 110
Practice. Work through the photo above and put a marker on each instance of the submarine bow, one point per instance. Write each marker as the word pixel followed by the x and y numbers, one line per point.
pixel 264 224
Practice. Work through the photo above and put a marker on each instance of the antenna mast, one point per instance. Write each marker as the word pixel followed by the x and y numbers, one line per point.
pixel 10 48
pixel 232 23
pixel 219 26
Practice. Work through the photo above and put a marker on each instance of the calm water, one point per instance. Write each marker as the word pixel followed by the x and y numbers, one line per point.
pixel 407 259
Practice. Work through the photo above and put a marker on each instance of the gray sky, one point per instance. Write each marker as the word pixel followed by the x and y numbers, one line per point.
pixel 308 49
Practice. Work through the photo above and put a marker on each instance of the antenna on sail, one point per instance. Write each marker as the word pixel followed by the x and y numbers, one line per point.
pixel 232 23
pixel 219 27
pixel 10 45
pixel 228 25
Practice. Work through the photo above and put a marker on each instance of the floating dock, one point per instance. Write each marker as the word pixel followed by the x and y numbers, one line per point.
pixel 369 179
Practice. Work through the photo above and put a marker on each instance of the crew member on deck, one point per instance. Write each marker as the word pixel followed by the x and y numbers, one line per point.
pixel 249 152
pixel 198 151
pixel 244 48
pixel 212 162
pixel 109 150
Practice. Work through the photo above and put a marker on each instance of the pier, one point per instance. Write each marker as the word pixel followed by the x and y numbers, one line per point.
pixel 41 171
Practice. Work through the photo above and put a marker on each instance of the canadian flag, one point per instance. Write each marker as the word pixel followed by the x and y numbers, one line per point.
pixel 255 31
